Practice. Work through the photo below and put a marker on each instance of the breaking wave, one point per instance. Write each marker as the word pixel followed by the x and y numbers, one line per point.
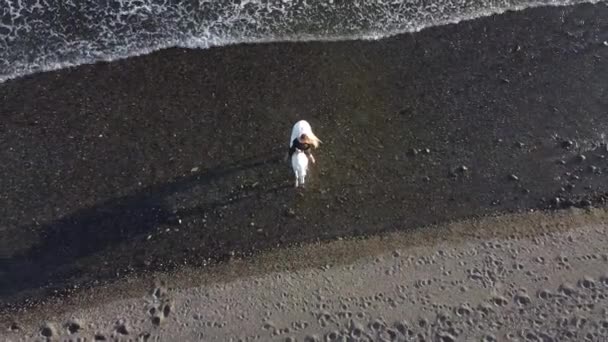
pixel 43 35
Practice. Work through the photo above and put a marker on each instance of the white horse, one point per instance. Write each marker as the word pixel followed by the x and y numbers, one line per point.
pixel 299 164
pixel 302 141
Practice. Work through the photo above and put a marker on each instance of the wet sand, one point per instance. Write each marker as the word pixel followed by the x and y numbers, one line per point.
pixel 173 160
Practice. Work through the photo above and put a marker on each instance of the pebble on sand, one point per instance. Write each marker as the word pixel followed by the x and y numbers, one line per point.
pixel 513 177
pixel 567 144
pixel 556 201
pixel 585 203
pixel 290 212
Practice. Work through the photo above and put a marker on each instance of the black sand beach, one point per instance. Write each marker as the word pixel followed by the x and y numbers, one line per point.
pixel 175 158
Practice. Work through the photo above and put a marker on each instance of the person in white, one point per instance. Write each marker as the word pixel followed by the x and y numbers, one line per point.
pixel 302 141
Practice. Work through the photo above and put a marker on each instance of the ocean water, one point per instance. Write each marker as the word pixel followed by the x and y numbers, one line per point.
pixel 42 35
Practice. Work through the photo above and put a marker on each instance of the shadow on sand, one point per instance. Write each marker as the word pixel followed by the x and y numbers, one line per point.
pixel 53 261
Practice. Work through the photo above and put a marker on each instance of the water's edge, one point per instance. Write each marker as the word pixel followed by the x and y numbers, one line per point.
pixel 66 35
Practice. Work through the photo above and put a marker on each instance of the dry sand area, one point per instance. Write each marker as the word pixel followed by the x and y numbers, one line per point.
pixel 525 277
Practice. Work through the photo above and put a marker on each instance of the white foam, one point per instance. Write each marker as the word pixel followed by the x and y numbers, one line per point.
pixel 37 37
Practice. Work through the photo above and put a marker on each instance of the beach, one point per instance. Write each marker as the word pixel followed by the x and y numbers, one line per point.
pixel 518 277
pixel 173 161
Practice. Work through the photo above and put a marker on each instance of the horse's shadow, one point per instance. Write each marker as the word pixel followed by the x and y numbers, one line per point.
pixel 90 230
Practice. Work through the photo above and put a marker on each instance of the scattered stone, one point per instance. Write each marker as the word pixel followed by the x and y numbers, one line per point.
pixel 557 201
pixel 413 152
pixel 463 168
pixel 427 151
pixel 520 144
pixel 592 168
pixel 194 169
pixel 605 43
pixel 426 179
pixel 561 162
pixel 567 144
pixel 513 177
pixel 585 203
pixel 290 212
pixel 581 158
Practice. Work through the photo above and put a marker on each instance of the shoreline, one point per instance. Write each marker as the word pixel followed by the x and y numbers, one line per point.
pixel 376 34
pixel 140 166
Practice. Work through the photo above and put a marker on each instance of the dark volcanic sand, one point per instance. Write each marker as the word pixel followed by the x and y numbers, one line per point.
pixel 176 157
